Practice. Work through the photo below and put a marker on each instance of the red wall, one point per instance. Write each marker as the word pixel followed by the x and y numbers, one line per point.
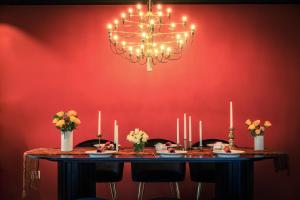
pixel 56 58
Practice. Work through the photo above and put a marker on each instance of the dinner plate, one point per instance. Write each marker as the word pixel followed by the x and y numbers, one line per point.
pixel 167 154
pixel 102 145
pixel 232 154
pixel 172 146
pixel 104 154
pixel 212 144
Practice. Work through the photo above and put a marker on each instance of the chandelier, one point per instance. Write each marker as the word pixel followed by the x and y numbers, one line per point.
pixel 149 36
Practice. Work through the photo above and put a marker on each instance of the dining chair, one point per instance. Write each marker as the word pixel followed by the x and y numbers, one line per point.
pixel 204 172
pixel 106 172
pixel 151 172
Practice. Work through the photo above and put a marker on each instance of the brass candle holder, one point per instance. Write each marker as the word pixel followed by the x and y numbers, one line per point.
pixel 231 138
pixel 99 138
pixel 185 144
pixel 190 144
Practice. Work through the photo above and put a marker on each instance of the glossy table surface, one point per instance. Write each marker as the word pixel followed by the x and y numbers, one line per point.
pixel 205 155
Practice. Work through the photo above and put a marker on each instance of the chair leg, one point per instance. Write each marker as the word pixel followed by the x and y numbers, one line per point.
pixel 177 190
pixel 112 191
pixel 198 190
pixel 171 188
pixel 141 190
pixel 142 193
pixel 115 191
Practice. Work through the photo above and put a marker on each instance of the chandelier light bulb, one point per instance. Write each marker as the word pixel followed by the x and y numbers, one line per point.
pixel 158 6
pixel 186 35
pixel 184 18
pixel 160 14
pixel 173 25
pixel 123 44
pixel 139 7
pixel 109 27
pixel 123 15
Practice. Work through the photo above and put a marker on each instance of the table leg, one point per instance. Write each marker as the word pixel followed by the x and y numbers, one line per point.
pixel 76 180
pixel 235 180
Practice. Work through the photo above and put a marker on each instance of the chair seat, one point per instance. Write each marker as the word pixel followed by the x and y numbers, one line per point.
pixel 158 176
pixel 203 172
pixel 164 198
pixel 109 171
pixel 158 172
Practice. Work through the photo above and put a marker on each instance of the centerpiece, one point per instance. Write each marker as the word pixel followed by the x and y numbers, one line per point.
pixel 66 122
pixel 257 130
pixel 138 138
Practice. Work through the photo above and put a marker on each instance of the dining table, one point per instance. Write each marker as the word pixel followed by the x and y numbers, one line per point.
pixel 76 169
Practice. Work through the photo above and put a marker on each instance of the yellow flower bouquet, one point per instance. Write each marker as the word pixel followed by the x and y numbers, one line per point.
pixel 66 121
pixel 256 128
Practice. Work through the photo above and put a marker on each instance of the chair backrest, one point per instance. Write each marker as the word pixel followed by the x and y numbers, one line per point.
pixel 153 142
pixel 92 142
pixel 210 141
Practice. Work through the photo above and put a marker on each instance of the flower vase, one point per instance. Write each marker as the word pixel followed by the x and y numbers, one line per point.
pixel 138 147
pixel 259 143
pixel 66 141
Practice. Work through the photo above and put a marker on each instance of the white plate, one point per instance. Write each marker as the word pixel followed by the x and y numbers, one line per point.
pixel 167 154
pixel 172 146
pixel 232 154
pixel 102 145
pixel 212 144
pixel 104 154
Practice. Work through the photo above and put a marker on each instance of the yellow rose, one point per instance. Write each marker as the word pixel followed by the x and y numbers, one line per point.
pixel 60 114
pixel 248 122
pixel 267 124
pixel 77 121
pixel 55 120
pixel 251 127
pixel 256 122
pixel 72 113
pixel 257 131
pixel 73 119
pixel 60 123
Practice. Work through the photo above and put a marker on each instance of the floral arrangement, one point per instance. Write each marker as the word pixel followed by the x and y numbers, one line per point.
pixel 66 121
pixel 256 128
pixel 137 136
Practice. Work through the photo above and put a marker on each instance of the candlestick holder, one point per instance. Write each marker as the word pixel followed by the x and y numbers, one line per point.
pixel 190 145
pixel 185 144
pixel 231 138
pixel 99 138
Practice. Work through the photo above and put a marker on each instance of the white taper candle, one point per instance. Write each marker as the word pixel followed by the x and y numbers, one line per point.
pixel 177 131
pixel 99 123
pixel 184 126
pixel 200 133
pixel 190 128
pixel 231 115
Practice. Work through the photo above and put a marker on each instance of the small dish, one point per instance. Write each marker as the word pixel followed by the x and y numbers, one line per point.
pixel 104 154
pixel 167 154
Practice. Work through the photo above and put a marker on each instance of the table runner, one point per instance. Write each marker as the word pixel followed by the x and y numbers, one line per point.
pixel 31 164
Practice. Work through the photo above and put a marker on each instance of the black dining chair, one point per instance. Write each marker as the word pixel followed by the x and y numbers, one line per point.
pixel 157 172
pixel 106 172
pixel 204 172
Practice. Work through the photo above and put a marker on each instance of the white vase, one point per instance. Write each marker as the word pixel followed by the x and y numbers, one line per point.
pixel 259 143
pixel 66 141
